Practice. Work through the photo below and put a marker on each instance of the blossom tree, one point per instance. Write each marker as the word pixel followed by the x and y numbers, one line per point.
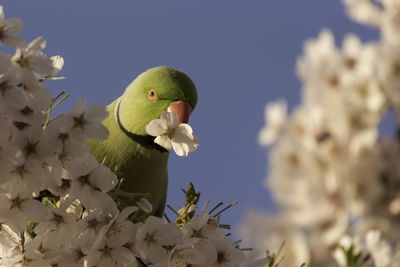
pixel 334 178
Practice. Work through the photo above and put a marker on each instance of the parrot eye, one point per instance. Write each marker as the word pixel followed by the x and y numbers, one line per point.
pixel 152 95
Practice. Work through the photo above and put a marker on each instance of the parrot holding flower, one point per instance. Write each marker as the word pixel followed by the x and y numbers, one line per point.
pixel 144 124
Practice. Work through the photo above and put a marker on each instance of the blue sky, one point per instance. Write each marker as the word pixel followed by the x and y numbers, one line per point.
pixel 240 54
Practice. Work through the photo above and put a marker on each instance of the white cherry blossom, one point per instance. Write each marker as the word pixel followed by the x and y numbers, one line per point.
pixel 184 254
pixel 15 208
pixel 121 229
pixel 59 222
pixel 152 238
pixel 172 134
pixel 227 255
pixel 89 181
pixel 31 64
pixel 9 28
pixel 84 122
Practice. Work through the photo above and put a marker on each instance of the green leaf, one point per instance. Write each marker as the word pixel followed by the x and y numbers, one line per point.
pixel 192 197
pixel 353 259
pixel 30 226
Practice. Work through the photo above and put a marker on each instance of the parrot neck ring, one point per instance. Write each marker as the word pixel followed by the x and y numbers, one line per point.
pixel 146 141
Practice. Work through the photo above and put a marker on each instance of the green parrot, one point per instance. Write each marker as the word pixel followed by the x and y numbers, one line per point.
pixel 129 151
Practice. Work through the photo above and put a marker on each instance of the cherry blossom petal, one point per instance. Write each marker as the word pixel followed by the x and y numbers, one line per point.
pixel 171 119
pixel 14 26
pixel 156 127
pixel 163 141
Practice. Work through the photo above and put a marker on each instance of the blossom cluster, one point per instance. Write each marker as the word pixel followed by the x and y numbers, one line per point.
pixel 55 203
pixel 331 172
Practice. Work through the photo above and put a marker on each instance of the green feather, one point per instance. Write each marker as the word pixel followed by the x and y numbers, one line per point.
pixel 129 151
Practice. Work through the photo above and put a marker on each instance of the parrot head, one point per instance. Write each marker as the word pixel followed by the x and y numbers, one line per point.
pixel 154 91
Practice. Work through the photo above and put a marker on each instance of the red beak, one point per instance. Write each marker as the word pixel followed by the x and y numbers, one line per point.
pixel 182 109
